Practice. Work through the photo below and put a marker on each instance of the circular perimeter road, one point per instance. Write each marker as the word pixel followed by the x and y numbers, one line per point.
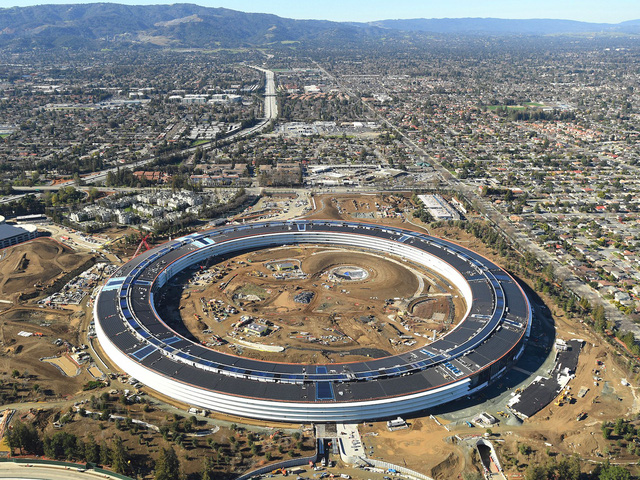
pixel 480 349
pixel 15 471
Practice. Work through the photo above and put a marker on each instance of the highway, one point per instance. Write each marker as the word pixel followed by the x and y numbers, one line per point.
pixel 270 114
pixel 10 198
pixel 519 240
pixel 270 99
pixel 270 105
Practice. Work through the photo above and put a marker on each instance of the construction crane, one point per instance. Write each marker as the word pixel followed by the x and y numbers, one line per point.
pixel 142 242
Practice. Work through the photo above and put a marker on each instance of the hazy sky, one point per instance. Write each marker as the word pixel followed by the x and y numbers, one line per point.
pixel 608 11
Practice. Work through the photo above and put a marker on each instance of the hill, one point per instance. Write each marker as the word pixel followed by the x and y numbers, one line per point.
pixel 39 264
pixel 108 25
pixel 494 26
pixel 179 25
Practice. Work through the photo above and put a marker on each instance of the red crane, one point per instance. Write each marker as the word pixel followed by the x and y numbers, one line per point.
pixel 142 242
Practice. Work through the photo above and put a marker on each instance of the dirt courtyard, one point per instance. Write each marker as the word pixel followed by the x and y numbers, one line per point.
pixel 311 312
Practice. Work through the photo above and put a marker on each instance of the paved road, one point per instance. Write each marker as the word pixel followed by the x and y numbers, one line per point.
pixel 22 472
pixel 270 114
pixel 520 241
pixel 524 243
pixel 11 198
pixel 270 100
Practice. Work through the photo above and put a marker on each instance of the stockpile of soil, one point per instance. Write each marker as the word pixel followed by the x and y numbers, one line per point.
pixel 35 265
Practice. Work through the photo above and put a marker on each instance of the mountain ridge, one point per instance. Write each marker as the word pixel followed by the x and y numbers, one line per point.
pixel 491 25
pixel 92 25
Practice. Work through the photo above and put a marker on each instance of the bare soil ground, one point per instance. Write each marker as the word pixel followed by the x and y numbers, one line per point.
pixel 144 445
pixel 343 321
pixel 24 353
pixel 379 208
pixel 425 447
pixel 117 241
pixel 34 265
pixel 428 448
pixel 64 364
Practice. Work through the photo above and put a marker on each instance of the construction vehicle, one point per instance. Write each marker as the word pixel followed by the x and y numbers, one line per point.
pixel 565 397
pixel 143 242
pixel 581 416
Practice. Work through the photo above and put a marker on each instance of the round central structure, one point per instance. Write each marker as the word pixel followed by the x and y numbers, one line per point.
pixel 478 350
pixel 349 273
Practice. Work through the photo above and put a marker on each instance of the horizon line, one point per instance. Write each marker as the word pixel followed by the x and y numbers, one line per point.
pixel 102 2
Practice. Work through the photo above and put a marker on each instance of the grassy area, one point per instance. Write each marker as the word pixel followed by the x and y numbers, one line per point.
pixel 534 104
pixel 210 50
pixel 4 135
pixel 508 107
pixel 251 289
pixel 199 142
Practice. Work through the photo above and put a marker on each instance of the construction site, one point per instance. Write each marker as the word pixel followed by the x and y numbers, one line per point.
pixel 601 391
pixel 38 266
pixel 314 310
pixel 310 310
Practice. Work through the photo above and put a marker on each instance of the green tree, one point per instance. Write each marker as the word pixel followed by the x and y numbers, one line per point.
pixel 524 449
pixel 168 465
pixel 105 454
pixel 536 472
pixel 208 469
pixel 119 456
pixel 567 469
pixel 472 476
pixel 63 445
pixel 25 437
pixel 91 450
pixel 599 318
pixel 614 472
pixel 508 196
pixel 94 193
pixel 618 426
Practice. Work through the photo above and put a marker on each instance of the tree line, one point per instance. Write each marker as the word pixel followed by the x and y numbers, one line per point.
pixel 24 439
pixel 569 469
